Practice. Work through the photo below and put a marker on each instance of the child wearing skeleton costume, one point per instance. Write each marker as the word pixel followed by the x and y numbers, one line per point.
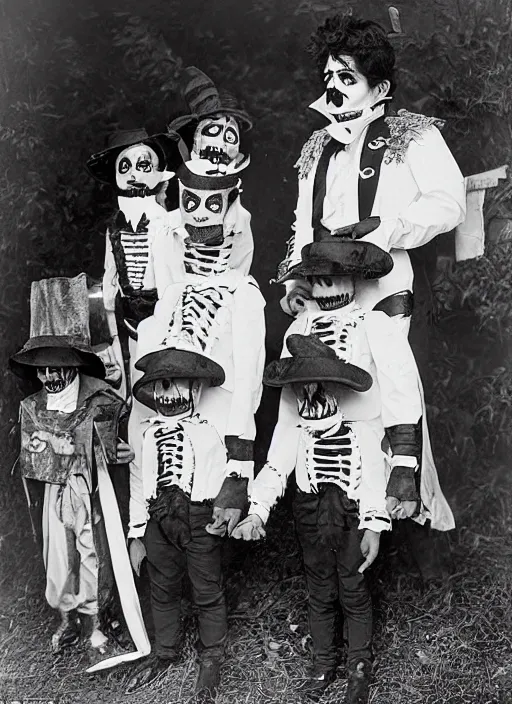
pixel 349 385
pixel 367 162
pixel 194 496
pixel 68 445
pixel 137 166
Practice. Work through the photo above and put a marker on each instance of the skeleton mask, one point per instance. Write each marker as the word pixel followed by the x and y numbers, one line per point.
pixel 332 292
pixel 217 141
pixel 316 400
pixel 176 397
pixel 137 171
pixel 203 213
pixel 56 379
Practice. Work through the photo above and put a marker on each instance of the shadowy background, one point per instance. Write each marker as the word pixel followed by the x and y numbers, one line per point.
pixel 72 72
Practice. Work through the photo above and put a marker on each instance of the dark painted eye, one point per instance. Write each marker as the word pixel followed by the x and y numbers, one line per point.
pixel 347 78
pixel 326 280
pixel 211 130
pixel 190 201
pixel 124 165
pixel 144 165
pixel 166 384
pixel 231 136
pixel 214 203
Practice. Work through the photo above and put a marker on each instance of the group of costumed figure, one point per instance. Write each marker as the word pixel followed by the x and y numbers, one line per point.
pixel 160 369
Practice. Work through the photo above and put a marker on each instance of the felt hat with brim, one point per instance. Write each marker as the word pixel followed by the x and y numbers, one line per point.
pixel 189 177
pixel 59 329
pixel 174 363
pixel 55 351
pixel 313 360
pixel 204 100
pixel 342 253
pixel 101 165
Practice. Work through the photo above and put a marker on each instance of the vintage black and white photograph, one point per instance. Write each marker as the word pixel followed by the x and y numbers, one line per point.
pixel 256 345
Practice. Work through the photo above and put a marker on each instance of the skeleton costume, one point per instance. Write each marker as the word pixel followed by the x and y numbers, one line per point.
pixel 366 162
pixel 137 166
pixel 213 305
pixel 69 444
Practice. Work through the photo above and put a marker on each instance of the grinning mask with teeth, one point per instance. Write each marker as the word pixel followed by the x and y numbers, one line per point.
pixel 56 379
pixel 332 292
pixel 176 397
pixel 316 400
pixel 217 141
pixel 137 172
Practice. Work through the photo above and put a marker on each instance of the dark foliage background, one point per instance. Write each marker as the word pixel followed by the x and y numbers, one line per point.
pixel 72 72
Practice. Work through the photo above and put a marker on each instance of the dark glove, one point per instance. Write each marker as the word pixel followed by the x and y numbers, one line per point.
pixel 171 511
pixel 402 484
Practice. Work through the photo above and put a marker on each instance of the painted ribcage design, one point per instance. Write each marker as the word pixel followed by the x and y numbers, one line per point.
pixel 195 317
pixel 205 260
pixel 175 458
pixel 334 457
pixel 136 254
pixel 336 333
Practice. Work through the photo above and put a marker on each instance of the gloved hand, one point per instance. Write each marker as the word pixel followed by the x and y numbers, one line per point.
pixel 401 493
pixel 400 509
pixel 251 528
pixel 223 519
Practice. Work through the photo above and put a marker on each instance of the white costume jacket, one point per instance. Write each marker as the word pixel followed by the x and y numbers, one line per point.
pixel 372 342
pixel 417 190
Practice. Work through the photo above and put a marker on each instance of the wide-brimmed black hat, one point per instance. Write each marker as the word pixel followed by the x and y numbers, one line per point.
pixel 174 363
pixel 59 329
pixel 343 253
pixel 313 360
pixel 204 100
pixel 101 165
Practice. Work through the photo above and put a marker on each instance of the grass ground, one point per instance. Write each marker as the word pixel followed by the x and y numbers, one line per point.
pixel 447 643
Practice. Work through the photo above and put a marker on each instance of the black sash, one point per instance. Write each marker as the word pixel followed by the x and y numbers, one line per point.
pixel 372 154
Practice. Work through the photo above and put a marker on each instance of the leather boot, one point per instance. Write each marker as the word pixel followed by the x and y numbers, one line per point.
pixel 318 679
pixel 149 670
pixel 208 679
pixel 359 678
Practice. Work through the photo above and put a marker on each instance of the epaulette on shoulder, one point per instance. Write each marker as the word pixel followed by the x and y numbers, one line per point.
pixel 311 151
pixel 405 127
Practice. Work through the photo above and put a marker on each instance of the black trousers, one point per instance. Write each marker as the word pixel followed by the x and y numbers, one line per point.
pixel 167 566
pixel 332 576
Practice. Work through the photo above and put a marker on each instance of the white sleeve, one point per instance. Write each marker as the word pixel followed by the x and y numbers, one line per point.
pixel 248 330
pixel 270 484
pixel 397 373
pixel 441 205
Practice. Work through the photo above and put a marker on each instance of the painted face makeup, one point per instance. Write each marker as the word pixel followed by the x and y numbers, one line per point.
pixel 175 397
pixel 347 90
pixel 203 213
pixel 217 141
pixel 137 171
pixel 332 292
pixel 316 400
pixel 56 379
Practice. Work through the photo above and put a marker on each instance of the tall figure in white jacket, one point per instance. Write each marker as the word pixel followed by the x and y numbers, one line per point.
pixel 367 161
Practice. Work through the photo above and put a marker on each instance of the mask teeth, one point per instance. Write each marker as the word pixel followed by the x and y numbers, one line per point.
pixel 333 302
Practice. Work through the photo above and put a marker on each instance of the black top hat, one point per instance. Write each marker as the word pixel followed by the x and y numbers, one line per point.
pixel 313 360
pixel 59 329
pixel 202 182
pixel 204 100
pixel 174 363
pixel 101 165
pixel 342 253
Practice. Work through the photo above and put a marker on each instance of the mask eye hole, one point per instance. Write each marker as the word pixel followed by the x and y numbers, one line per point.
pixel 166 384
pixel 144 165
pixel 124 165
pixel 325 281
pixel 214 203
pixel 211 130
pixel 347 78
pixel 231 136
pixel 190 201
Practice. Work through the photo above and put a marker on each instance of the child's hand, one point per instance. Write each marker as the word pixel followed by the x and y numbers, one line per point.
pixel 125 454
pixel 400 509
pixel 137 552
pixel 369 548
pixel 223 519
pixel 251 528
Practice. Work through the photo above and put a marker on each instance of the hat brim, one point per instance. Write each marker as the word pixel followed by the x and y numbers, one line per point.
pixel 55 351
pixel 358 258
pixel 101 165
pixel 174 363
pixel 290 370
